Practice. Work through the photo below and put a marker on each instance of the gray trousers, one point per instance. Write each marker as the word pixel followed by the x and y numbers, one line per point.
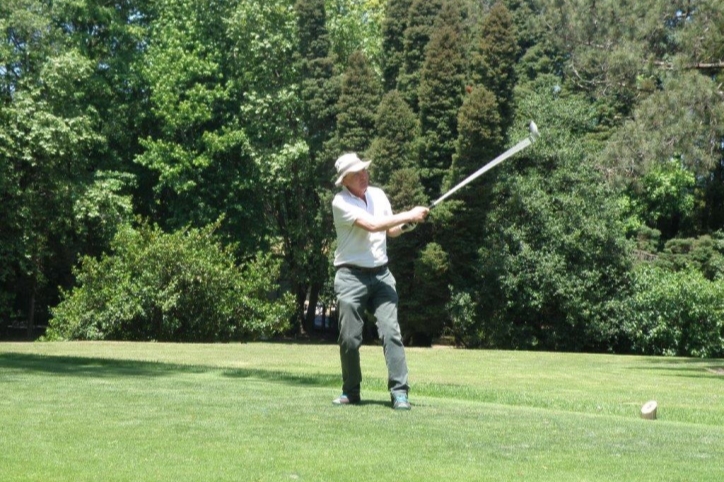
pixel 356 292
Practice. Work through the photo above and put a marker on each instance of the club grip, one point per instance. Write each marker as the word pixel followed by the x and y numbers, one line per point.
pixel 407 227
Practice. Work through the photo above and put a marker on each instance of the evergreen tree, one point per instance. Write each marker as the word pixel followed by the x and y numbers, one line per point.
pixel 404 190
pixel 426 314
pixel 303 214
pixel 552 216
pixel 393 32
pixel 394 146
pixel 480 139
pixel 361 92
pixel 495 59
pixel 442 84
pixel 319 87
pixel 420 20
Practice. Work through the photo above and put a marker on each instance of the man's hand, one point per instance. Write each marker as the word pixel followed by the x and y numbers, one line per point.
pixel 418 214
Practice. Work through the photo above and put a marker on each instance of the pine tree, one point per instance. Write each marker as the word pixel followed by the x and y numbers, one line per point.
pixel 420 20
pixel 360 96
pixel 393 32
pixel 303 217
pixel 319 90
pixel 480 139
pixel 442 84
pixel 495 59
pixel 393 148
pixel 480 135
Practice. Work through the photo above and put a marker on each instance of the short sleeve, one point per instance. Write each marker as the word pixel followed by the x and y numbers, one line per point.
pixel 345 213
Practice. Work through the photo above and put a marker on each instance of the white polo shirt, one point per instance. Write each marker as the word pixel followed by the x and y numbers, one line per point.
pixel 355 245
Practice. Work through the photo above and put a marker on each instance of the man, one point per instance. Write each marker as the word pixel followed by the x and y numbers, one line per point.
pixel 363 219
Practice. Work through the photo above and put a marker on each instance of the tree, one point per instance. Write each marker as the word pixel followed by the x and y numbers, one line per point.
pixel 361 93
pixel 442 84
pixel 665 199
pixel 302 210
pixel 420 20
pixel 426 313
pixel 50 135
pixel 393 31
pixel 479 140
pixel 681 120
pixel 396 129
pixel 554 255
pixel 356 25
pixel 674 313
pixel 394 167
pixel 495 59
pixel 701 28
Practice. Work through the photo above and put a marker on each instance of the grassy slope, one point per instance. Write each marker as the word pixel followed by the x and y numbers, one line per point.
pixel 121 411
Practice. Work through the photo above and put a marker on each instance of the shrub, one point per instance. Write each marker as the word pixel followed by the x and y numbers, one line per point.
pixel 426 313
pixel 675 313
pixel 183 286
pixel 463 326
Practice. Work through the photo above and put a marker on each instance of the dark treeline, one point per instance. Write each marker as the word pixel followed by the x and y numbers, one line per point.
pixel 166 167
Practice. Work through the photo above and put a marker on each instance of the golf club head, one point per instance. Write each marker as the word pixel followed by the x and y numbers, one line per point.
pixel 534 134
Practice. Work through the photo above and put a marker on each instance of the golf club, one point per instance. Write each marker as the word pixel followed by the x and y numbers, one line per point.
pixel 532 137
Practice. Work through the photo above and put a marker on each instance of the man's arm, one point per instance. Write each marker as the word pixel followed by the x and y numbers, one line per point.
pixel 391 224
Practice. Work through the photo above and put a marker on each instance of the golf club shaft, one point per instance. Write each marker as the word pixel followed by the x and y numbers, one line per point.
pixel 534 134
pixel 513 150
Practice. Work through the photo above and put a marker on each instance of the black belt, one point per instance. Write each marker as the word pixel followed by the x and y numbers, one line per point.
pixel 375 270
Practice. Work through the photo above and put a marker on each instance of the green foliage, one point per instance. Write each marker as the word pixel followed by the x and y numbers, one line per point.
pixel 667 197
pixel 183 286
pixel 675 313
pixel 495 59
pixel 681 121
pixel 313 33
pixel 393 32
pixel 405 191
pixel 440 94
pixel 102 209
pixel 50 133
pixel 421 17
pixel 701 30
pixel 463 325
pixel 184 111
pixel 710 215
pixel 427 302
pixel 393 146
pixel 607 44
pixel 301 212
pixel 185 72
pixel 356 26
pixel 480 135
pixel 554 253
pixel 704 254
pixel 319 89
pixel 360 96
pixel 479 140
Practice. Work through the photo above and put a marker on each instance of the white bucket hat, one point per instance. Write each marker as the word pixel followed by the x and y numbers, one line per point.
pixel 348 163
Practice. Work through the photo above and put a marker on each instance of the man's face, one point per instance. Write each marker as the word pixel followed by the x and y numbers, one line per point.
pixel 357 182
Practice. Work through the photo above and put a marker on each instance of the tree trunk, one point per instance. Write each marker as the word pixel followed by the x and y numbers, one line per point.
pixel 297 327
pixel 31 311
pixel 312 308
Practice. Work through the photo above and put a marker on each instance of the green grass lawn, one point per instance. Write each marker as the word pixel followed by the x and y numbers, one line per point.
pixel 263 412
